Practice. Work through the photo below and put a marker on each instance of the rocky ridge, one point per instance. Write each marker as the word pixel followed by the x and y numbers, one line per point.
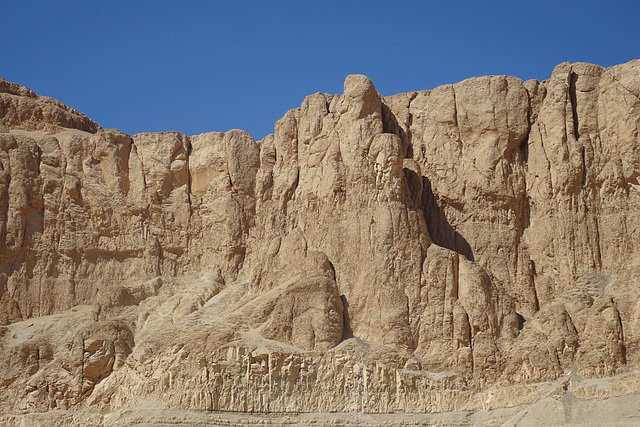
pixel 465 248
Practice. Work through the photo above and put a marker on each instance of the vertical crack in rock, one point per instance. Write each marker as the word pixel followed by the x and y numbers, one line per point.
pixel 573 78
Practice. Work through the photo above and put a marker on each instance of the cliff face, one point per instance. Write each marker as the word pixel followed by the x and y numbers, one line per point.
pixel 468 247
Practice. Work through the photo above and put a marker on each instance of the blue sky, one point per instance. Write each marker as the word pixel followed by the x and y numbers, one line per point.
pixel 200 66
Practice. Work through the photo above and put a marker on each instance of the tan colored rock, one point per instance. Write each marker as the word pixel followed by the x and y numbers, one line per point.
pixel 24 109
pixel 602 352
pixel 471 247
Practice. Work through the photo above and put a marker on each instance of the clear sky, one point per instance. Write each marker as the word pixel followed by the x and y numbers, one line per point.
pixel 200 66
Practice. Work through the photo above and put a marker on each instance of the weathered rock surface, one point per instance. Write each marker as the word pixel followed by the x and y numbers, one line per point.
pixel 21 108
pixel 466 248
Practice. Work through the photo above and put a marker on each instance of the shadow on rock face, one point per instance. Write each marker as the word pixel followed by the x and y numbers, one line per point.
pixel 441 232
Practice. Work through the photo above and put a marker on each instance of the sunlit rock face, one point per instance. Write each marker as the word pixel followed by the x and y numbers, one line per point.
pixel 470 247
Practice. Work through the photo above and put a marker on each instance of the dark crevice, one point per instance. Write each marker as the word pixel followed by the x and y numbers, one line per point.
pixel 532 264
pixel 408 124
pixel 409 149
pixel 347 332
pixel 536 300
pixel 622 340
pixel 584 168
pixel 525 213
pixel 389 122
pixel 521 321
pixel 187 156
pixel 598 245
pixel 390 125
pixel 524 145
pixel 414 187
pixel 574 104
pixel 524 149
pixel 333 270
pixel 410 137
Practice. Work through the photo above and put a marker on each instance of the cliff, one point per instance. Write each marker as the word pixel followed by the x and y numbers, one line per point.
pixel 471 247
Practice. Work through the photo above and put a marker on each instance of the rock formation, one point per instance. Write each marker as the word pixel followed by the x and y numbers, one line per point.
pixel 470 247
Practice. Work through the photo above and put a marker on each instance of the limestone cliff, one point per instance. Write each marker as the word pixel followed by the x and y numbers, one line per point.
pixel 469 247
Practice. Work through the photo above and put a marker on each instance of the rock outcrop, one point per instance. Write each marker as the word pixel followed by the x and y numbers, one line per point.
pixel 470 247
pixel 21 108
